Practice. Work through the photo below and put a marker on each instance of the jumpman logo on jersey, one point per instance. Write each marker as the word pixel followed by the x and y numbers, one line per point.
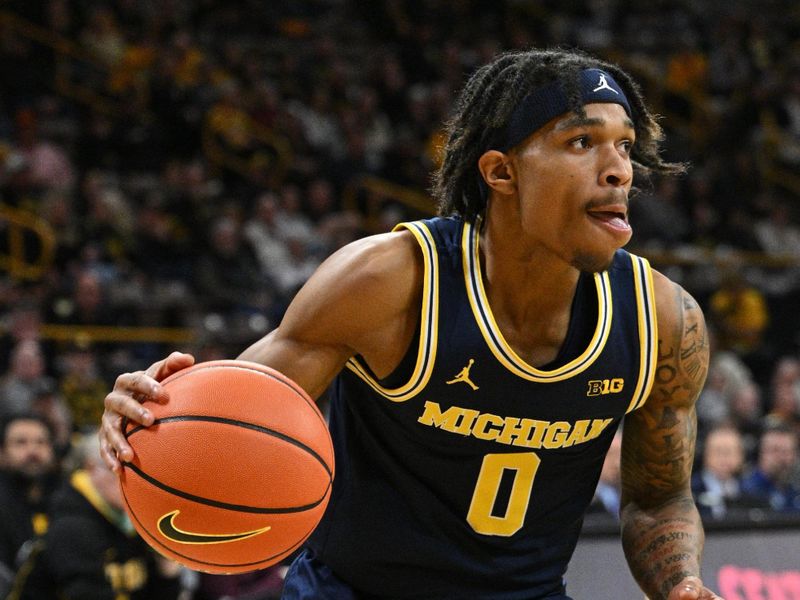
pixel 602 84
pixel 463 376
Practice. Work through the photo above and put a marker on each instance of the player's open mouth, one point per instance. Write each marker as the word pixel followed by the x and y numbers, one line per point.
pixel 616 220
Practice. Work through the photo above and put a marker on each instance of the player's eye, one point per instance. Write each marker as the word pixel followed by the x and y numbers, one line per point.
pixel 580 143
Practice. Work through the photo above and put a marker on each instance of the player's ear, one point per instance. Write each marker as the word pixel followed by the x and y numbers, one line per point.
pixel 495 168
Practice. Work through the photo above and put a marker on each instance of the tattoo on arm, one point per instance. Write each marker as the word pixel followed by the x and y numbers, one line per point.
pixel 694 343
pixel 661 530
pixel 663 551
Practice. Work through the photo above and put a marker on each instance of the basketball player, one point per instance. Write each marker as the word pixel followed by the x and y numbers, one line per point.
pixel 482 361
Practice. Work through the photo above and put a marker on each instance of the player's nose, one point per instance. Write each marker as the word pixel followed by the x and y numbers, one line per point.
pixel 615 169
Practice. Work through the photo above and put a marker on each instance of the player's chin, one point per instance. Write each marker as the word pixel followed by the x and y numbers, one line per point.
pixel 593 262
pixel 596 254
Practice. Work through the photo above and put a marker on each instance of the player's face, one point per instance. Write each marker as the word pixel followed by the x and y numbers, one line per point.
pixel 574 176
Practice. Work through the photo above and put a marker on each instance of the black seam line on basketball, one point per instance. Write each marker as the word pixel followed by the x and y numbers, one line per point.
pixel 225 505
pixel 244 424
pixel 299 391
pixel 155 540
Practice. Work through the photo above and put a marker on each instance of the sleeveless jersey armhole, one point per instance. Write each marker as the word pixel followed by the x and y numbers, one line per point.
pixel 427 337
pixel 648 330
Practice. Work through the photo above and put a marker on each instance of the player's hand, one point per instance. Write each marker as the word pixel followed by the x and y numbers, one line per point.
pixel 130 390
pixel 691 588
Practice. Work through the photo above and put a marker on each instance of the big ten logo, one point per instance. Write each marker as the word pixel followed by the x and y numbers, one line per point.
pixel 738 583
pixel 599 387
pixel 126 577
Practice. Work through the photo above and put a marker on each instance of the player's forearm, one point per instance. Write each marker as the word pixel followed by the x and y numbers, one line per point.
pixel 663 545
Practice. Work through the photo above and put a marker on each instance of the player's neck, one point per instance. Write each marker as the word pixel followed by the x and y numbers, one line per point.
pixel 530 295
pixel 530 279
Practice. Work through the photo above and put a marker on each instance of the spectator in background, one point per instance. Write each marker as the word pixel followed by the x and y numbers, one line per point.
pixel 52 406
pixel 85 301
pixel 784 410
pixel 717 485
pixel 299 265
pixel 659 217
pixel 162 242
pixel 778 462
pixel 713 405
pixel 320 125
pixel 728 376
pixel 108 222
pixel 291 219
pixel 740 314
pixel 91 550
pixel 746 414
pixel 784 401
pixel 786 374
pixel 264 236
pixel 48 164
pixel 607 496
pixel 26 378
pixel 778 236
pixel 320 200
pixel 28 476
pixel 23 322
pixel 229 277
pixel 58 211
pixel 103 36
pixel 334 227
pixel 82 384
pixel 785 115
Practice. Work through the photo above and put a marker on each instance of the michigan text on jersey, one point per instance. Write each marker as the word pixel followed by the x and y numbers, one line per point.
pixel 528 433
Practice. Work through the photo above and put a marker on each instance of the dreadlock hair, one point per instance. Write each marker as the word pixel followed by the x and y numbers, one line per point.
pixel 488 100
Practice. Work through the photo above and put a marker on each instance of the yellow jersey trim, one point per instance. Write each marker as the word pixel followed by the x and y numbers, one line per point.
pixel 429 319
pixel 648 331
pixel 494 337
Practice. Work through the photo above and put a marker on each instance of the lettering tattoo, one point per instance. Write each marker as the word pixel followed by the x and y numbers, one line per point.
pixel 661 530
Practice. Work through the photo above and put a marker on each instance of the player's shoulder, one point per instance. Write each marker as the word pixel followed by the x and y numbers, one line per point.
pixel 374 272
pixel 677 311
pixel 380 257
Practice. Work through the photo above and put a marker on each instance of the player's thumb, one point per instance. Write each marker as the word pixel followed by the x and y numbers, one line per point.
pixel 166 367
pixel 688 589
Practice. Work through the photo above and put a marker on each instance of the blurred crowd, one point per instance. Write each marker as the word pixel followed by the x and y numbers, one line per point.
pixel 194 162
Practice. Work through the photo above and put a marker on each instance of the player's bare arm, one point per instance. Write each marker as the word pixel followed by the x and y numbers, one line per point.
pixel 363 300
pixel 661 530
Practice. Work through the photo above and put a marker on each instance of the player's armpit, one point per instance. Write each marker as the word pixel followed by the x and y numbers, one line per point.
pixel 661 529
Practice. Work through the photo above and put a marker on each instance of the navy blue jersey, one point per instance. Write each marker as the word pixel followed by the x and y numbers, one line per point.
pixel 466 473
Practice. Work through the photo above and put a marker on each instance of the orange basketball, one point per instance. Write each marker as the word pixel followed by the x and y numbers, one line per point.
pixel 236 471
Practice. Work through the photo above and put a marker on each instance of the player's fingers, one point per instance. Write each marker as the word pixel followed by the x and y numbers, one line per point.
pixel 138 387
pixel 124 401
pixel 173 363
pixel 107 449
pixel 118 404
pixel 112 440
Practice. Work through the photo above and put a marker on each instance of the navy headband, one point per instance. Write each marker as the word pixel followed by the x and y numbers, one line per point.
pixel 549 101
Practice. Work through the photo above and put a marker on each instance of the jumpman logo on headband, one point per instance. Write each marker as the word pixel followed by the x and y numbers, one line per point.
pixel 602 84
pixel 463 376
